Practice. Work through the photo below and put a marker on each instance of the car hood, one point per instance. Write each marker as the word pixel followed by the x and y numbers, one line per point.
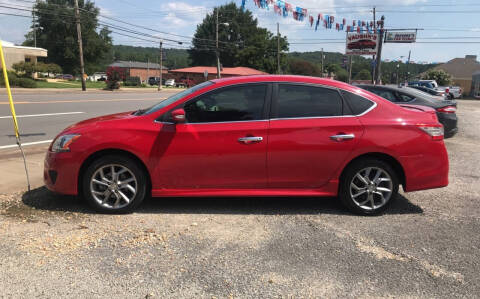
pixel 96 121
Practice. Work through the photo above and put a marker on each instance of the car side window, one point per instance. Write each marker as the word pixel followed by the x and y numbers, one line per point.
pixel 237 103
pixel 307 101
pixel 357 104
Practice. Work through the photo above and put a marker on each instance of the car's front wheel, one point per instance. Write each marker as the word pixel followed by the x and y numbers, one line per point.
pixel 114 184
pixel 368 186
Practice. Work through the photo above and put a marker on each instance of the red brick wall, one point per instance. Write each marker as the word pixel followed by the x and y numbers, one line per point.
pixel 143 74
pixel 198 78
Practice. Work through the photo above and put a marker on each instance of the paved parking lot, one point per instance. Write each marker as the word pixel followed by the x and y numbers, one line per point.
pixel 426 245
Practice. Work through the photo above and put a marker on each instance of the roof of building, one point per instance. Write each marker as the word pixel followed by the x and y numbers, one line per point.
pixel 236 71
pixel 461 68
pixel 6 44
pixel 137 65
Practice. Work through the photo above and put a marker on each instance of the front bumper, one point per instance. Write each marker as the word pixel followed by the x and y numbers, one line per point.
pixel 60 173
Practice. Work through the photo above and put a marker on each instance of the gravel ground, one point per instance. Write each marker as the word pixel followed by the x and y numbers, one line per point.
pixel 426 245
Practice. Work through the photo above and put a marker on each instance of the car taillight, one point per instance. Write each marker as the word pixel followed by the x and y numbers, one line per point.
pixel 436 132
pixel 447 109
pixel 447 90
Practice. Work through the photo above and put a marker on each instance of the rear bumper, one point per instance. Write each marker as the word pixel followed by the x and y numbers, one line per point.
pixel 449 122
pixel 60 173
pixel 426 171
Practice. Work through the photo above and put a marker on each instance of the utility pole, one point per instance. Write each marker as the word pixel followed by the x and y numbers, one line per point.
pixel 216 46
pixel 278 48
pixel 379 54
pixel 375 31
pixel 80 45
pixel 34 30
pixel 161 66
pixel 322 62
pixel 148 68
pixel 408 63
pixel 350 69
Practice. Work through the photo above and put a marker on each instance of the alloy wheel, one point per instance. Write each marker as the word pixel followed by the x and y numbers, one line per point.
pixel 371 188
pixel 113 186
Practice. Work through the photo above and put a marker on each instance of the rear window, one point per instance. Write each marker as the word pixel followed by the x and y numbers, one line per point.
pixel 357 104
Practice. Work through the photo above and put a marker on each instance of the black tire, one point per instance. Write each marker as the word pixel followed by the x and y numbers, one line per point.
pixel 349 176
pixel 120 161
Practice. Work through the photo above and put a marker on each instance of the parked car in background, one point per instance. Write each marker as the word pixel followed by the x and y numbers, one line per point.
pixel 65 77
pixel 253 136
pixel 445 109
pixel 452 92
pixel 422 83
pixel 430 91
pixel 170 83
pixel 184 82
pixel 155 80
pixel 102 79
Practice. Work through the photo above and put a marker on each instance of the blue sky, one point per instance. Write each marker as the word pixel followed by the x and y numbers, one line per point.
pixel 454 22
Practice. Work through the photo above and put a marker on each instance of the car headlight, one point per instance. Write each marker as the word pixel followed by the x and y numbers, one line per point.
pixel 62 143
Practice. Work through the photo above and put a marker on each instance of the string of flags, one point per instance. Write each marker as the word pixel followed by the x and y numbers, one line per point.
pixel 285 9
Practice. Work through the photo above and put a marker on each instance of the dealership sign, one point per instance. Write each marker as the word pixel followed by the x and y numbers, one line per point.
pixel 400 37
pixel 361 43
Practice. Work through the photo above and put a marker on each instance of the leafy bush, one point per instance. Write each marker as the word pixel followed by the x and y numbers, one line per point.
pixel 15 81
pixel 132 81
pixel 26 83
pixel 363 75
pixel 114 75
pixel 341 75
pixel 443 78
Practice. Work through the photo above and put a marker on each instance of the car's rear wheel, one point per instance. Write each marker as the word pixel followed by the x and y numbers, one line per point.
pixel 114 184
pixel 368 186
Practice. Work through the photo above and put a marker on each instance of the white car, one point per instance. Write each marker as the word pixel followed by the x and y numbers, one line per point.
pixel 170 82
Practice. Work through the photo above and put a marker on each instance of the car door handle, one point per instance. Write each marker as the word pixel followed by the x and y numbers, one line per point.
pixel 250 140
pixel 342 137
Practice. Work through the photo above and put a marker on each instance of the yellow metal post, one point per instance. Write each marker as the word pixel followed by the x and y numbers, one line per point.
pixel 12 109
pixel 9 92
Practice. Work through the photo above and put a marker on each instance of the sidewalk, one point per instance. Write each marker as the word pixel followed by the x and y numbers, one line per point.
pixel 12 170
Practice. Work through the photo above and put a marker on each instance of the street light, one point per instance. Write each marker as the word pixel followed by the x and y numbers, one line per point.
pixel 216 44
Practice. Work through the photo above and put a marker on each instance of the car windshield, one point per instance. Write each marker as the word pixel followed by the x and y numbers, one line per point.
pixel 174 98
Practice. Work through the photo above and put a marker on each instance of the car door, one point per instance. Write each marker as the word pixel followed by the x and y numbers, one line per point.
pixel 309 135
pixel 222 144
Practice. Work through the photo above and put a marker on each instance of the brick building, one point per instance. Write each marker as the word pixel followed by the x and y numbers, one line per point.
pixel 144 70
pixel 197 73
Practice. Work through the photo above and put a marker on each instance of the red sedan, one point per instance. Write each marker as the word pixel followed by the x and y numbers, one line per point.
pixel 253 136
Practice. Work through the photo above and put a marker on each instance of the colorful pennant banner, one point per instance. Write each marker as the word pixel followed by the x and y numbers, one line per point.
pixel 284 9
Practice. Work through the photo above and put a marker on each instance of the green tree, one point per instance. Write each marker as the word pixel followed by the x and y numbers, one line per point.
pixel 242 42
pixel 341 75
pixel 56 32
pixel 303 67
pixel 363 75
pixel 332 68
pixel 53 68
pixel 26 68
pixel 443 78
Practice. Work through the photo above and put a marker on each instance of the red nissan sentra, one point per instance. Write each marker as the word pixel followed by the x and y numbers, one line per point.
pixel 253 136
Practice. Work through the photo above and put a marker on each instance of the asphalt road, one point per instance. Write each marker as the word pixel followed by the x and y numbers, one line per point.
pixel 426 245
pixel 42 115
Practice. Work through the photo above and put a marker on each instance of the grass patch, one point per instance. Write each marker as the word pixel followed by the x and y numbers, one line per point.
pixel 69 84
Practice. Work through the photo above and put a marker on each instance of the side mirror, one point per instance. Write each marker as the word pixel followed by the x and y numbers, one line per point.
pixel 178 116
